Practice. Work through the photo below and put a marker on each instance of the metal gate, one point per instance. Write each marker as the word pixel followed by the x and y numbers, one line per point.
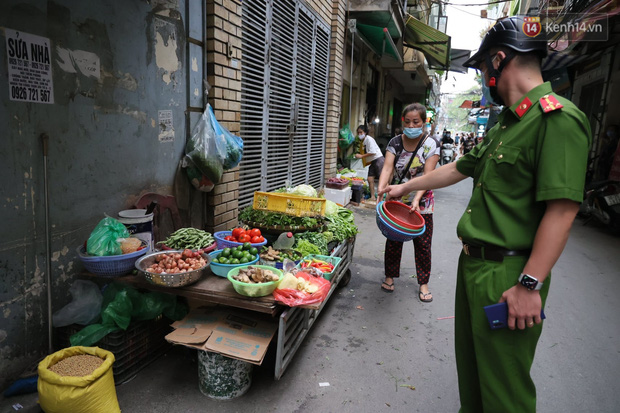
pixel 284 80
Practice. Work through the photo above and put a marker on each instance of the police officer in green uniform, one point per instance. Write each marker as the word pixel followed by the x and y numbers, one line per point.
pixel 528 175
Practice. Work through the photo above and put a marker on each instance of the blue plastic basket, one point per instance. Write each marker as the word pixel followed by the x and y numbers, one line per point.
pixel 112 265
pixel 392 233
pixel 222 269
pixel 222 243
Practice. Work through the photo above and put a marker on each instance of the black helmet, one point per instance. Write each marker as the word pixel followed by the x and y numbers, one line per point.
pixel 511 32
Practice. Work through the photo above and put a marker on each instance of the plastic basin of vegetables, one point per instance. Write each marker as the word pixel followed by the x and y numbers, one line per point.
pixel 111 265
pixel 255 290
pixel 222 270
pixel 170 280
pixel 224 243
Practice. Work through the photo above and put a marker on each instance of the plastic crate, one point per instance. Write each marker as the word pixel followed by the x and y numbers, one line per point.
pixel 332 260
pixel 334 185
pixel 297 205
pixel 133 349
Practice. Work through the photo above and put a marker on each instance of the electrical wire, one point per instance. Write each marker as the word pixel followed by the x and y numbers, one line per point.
pixel 473 4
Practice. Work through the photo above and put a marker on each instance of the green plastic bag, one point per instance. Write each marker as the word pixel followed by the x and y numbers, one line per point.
pixel 103 239
pixel 121 305
pixel 346 137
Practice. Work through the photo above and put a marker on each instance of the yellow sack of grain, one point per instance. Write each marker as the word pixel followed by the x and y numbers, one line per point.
pixel 77 380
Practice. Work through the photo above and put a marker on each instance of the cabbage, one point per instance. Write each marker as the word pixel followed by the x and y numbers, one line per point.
pixel 331 208
pixel 304 190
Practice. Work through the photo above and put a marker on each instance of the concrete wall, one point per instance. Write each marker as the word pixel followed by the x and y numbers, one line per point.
pixel 105 145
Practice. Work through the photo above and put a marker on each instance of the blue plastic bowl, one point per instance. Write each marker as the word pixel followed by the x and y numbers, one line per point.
pixel 394 225
pixel 222 269
pixel 392 233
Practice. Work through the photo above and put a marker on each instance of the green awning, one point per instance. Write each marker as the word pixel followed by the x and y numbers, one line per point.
pixel 379 40
pixel 434 44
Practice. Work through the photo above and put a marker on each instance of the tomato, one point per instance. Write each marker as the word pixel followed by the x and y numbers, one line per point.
pixel 244 238
pixel 229 238
pixel 255 232
pixel 261 239
pixel 237 232
pixel 256 240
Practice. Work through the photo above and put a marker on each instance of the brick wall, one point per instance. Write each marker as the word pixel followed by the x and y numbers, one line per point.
pixel 224 75
pixel 336 63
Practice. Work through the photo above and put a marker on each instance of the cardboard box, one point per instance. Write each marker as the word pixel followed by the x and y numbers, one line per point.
pixel 233 333
pixel 339 196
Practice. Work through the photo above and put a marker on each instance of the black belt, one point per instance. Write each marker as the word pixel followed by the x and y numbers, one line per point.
pixel 492 253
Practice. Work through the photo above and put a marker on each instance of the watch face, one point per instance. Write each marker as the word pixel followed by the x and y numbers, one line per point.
pixel 529 282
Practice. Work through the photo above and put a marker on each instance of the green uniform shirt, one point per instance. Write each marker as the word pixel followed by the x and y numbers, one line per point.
pixel 527 158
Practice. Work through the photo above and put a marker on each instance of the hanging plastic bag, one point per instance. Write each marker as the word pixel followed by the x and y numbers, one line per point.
pixel 92 393
pixel 346 137
pixel 294 297
pixel 104 241
pixel 205 150
pixel 84 308
pixel 197 178
pixel 234 144
pixel 212 148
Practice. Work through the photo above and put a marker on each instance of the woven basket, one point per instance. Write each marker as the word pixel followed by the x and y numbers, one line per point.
pixel 112 265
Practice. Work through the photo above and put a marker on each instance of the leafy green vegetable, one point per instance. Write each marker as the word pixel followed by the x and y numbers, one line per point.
pixel 268 219
pixel 342 225
pixel 331 208
pixel 307 248
pixel 315 238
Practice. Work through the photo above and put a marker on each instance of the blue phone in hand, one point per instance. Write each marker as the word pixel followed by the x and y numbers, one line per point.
pixel 497 314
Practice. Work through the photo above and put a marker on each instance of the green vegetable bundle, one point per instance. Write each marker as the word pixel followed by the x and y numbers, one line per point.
pixel 268 219
pixel 342 225
pixel 315 238
pixel 190 238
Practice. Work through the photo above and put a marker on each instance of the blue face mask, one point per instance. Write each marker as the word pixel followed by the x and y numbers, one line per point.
pixel 412 133
pixel 486 92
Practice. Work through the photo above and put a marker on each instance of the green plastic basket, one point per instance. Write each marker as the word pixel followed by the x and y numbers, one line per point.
pixel 328 258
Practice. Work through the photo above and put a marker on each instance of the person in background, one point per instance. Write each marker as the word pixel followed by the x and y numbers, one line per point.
pixel 414 153
pixel 528 178
pixel 370 154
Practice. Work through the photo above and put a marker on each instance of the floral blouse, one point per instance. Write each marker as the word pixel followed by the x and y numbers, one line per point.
pixel 429 148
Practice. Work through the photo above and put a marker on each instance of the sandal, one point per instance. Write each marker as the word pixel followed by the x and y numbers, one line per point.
pixel 387 287
pixel 422 296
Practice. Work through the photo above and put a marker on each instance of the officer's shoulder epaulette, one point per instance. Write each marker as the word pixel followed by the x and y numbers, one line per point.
pixel 549 103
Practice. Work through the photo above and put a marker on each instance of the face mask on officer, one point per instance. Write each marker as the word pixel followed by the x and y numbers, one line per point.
pixel 490 92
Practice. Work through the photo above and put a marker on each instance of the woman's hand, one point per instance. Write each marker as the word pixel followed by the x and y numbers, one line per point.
pixel 415 206
pixel 358 156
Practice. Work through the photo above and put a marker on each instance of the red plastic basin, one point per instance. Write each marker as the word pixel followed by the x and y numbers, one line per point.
pixel 400 213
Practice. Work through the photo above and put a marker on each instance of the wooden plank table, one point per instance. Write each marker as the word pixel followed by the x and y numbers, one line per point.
pixel 210 288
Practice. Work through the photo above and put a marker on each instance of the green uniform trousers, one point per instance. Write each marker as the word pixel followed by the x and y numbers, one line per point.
pixel 493 365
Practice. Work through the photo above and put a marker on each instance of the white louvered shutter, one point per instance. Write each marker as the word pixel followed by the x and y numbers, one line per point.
pixel 284 83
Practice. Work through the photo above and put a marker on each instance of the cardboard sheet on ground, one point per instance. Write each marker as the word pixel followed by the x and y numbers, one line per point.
pixel 231 333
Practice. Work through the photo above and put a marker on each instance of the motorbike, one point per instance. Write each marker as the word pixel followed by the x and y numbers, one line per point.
pixel 447 153
pixel 601 202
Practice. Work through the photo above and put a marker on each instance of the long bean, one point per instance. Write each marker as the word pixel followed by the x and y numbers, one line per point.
pixel 191 238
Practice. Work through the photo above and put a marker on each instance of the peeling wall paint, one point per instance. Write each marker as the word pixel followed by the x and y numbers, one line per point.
pixel 166 50
pixel 110 80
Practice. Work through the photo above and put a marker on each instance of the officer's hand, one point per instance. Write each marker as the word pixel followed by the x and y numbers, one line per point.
pixel 523 307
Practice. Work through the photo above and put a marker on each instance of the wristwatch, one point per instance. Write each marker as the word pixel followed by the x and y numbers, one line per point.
pixel 529 282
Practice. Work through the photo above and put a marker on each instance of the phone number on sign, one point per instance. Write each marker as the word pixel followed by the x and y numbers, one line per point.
pixel 30 94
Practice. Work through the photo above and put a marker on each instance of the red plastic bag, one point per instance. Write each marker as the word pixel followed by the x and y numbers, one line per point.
pixel 293 298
